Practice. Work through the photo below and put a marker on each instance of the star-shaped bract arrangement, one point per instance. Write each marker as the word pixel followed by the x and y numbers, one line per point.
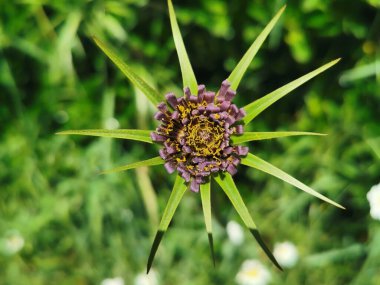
pixel 201 132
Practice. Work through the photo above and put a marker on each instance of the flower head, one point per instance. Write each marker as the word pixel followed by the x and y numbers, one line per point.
pixel 286 254
pixel 201 133
pixel 196 130
pixel 252 272
pixel 373 197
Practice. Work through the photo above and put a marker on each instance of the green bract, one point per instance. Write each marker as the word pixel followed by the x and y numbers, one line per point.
pixel 224 179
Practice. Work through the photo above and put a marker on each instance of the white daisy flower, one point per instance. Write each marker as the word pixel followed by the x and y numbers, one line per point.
pixel 147 279
pixel 373 197
pixel 235 232
pixel 286 254
pixel 113 281
pixel 252 272
pixel 13 242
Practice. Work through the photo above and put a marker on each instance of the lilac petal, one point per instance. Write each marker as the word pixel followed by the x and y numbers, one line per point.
pixel 170 167
pixel 163 153
pixel 162 107
pixel 209 97
pixel 241 114
pixel 172 99
pixel 175 115
pixel 159 116
pixel 228 150
pixel 235 161
pixel 193 99
pixel 186 175
pixel 201 90
pixel 212 108
pixel 194 185
pixel 239 129
pixel 231 169
pixel 186 148
pixel 230 94
pixel 223 89
pixel 187 92
pixel 242 150
pixel 156 137
pixel 225 105
pixel 234 110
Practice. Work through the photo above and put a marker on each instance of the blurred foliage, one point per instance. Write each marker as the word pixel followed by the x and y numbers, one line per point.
pixel 80 227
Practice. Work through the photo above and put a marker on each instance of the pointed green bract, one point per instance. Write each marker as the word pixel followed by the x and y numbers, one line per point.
pixel 188 76
pixel 262 165
pixel 205 190
pixel 149 162
pixel 228 185
pixel 179 189
pixel 256 136
pixel 255 108
pixel 136 135
pixel 237 74
pixel 136 80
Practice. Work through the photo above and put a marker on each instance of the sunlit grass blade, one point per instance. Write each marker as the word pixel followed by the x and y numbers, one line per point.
pixel 237 74
pixel 149 162
pixel 179 189
pixel 228 185
pixel 136 80
pixel 256 136
pixel 262 165
pixel 188 76
pixel 136 135
pixel 206 205
pixel 256 107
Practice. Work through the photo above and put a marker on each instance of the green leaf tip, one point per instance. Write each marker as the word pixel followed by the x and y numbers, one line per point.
pixel 153 250
pixel 188 76
pixel 137 135
pixel 239 71
pixel 228 186
pixel 136 80
pixel 262 165
pixel 176 195
pixel 256 107
pixel 149 162
pixel 256 136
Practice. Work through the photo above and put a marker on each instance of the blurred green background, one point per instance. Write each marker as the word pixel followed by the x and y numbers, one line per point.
pixel 72 226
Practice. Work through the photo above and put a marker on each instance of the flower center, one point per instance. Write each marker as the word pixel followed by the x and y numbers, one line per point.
pixel 204 137
pixel 196 134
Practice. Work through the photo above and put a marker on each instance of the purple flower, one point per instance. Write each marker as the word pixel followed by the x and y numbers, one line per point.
pixel 195 131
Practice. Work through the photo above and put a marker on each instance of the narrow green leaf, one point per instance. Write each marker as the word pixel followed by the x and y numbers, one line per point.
pixel 206 205
pixel 136 135
pixel 188 76
pixel 256 136
pixel 136 80
pixel 229 187
pixel 256 107
pixel 149 162
pixel 262 165
pixel 237 74
pixel 179 189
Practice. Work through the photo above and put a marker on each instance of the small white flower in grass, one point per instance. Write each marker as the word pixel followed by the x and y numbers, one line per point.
pixel 235 232
pixel 147 279
pixel 13 242
pixel 113 281
pixel 286 254
pixel 252 272
pixel 373 197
